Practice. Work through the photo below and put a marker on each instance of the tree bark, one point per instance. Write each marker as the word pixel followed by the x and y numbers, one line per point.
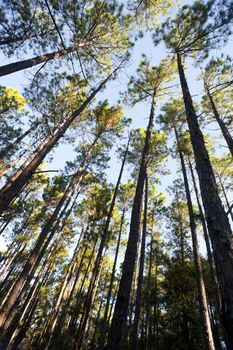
pixel 217 220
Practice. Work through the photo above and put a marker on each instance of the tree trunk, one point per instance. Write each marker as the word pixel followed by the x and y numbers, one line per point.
pixel 203 304
pixel 59 299
pixel 137 312
pixel 223 127
pixel 225 197
pixel 217 220
pixel 15 144
pixel 148 301
pixel 208 247
pixel 103 330
pixel 20 334
pixel 25 172
pixel 34 259
pixel 122 303
pixel 31 62
pixel 73 319
pixel 98 262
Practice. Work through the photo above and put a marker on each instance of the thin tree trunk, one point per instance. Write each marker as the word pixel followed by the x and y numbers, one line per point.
pixel 72 321
pixel 217 220
pixel 223 127
pixel 225 197
pixel 97 268
pixel 59 299
pixel 208 247
pixel 32 263
pixel 25 172
pixel 103 330
pixel 15 144
pixel 135 333
pixel 20 334
pixel 122 303
pixel 87 308
pixel 203 304
pixel 41 246
pixel 148 309
pixel 18 324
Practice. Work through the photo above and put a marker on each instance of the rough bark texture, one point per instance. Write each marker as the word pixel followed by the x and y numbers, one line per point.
pixel 217 221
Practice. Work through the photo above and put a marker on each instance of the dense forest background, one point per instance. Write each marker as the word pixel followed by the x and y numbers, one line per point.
pixel 116 199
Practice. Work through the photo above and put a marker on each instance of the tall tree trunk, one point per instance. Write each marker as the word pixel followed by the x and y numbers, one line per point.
pixel 208 247
pixel 225 197
pixel 148 301
pixel 25 172
pixel 103 329
pixel 76 312
pixel 59 299
pixel 217 220
pixel 21 333
pixel 13 145
pixel 87 307
pixel 227 136
pixel 97 268
pixel 18 324
pixel 123 296
pixel 137 312
pixel 21 284
pixel 203 304
pixel 31 62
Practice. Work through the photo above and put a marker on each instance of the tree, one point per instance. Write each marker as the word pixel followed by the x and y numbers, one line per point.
pixel 194 30
pixel 149 84
pixel 217 78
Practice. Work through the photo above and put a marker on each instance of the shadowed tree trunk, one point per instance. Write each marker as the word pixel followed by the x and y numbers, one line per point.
pixel 217 220
pixel 123 296
pixel 103 329
pixel 135 333
pixel 148 301
pixel 203 304
pixel 207 241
